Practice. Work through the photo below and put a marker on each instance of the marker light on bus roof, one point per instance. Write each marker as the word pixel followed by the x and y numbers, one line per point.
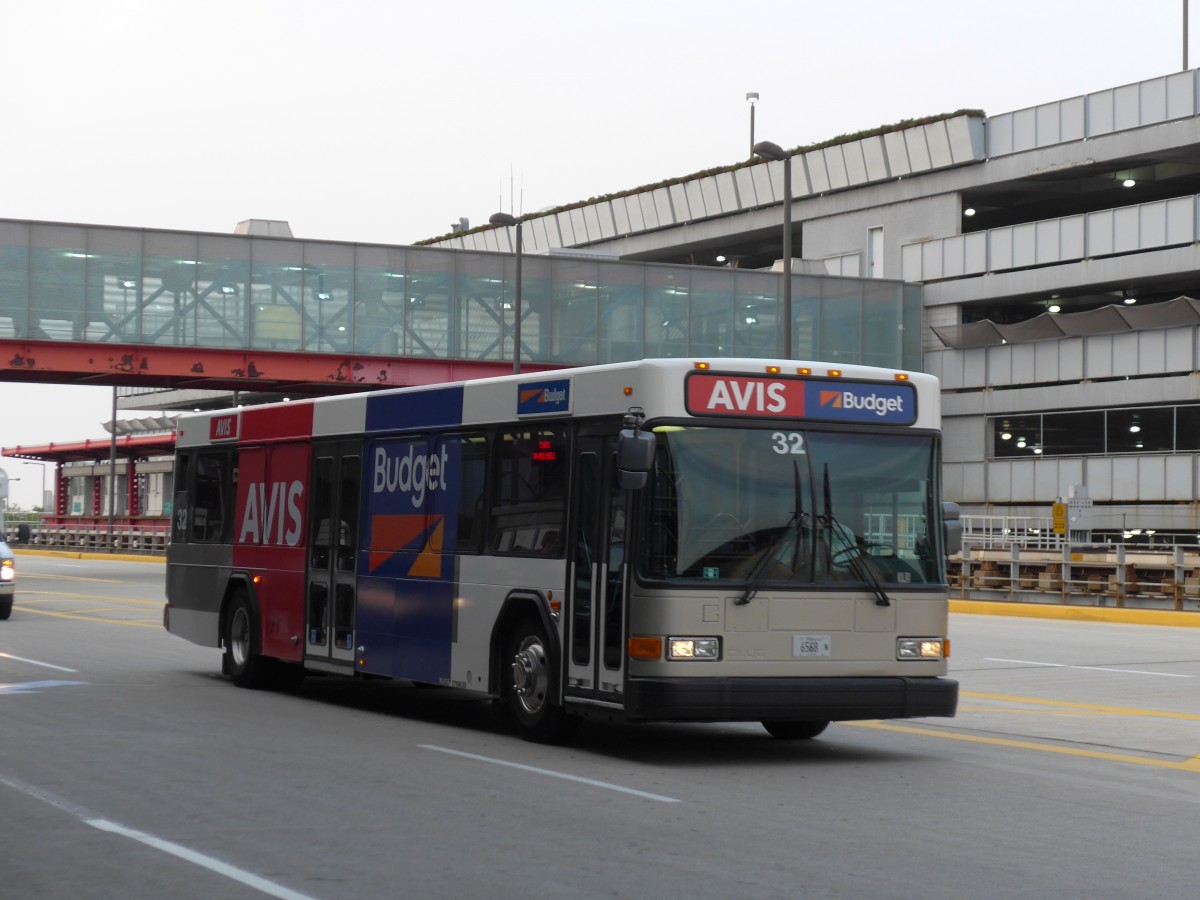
pixel 804 370
pixel 902 376
pixel 773 370
pixel 702 365
pixel 834 373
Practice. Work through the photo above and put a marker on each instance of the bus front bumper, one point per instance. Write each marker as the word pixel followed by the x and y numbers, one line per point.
pixel 784 700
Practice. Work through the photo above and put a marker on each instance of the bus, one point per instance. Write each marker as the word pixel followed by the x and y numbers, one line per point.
pixel 662 540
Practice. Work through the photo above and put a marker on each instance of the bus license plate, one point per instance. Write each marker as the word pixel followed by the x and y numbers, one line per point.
pixel 810 645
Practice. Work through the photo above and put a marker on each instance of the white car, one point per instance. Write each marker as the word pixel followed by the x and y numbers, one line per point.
pixel 8 580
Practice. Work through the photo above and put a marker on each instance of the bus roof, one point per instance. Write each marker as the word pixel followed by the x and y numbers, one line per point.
pixel 654 385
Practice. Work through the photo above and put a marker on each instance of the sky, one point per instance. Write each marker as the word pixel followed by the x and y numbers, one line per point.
pixel 384 121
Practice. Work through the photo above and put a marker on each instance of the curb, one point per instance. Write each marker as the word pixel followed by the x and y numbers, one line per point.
pixel 1169 617
pixel 86 554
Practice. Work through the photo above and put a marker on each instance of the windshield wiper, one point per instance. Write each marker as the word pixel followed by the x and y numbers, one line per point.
pixel 853 552
pixel 760 565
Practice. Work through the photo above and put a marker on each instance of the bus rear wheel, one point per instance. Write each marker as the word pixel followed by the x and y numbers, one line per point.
pixel 242 660
pixel 531 683
pixel 794 731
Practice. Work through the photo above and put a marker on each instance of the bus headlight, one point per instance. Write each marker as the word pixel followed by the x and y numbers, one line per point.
pixel 694 648
pixel 920 648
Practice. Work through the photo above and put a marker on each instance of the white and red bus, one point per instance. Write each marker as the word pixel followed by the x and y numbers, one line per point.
pixel 662 540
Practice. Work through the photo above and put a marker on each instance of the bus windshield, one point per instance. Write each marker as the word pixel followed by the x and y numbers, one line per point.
pixel 766 507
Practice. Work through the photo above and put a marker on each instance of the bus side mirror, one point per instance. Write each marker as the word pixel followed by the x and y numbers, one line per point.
pixel 635 457
pixel 952 527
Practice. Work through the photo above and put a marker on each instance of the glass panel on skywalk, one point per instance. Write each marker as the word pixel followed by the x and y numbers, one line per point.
pixel 378 300
pixel 880 317
pixel 711 313
pixel 668 292
pixel 276 294
pixel 621 301
pixel 114 278
pixel 574 309
pixel 756 318
pixel 328 294
pixel 57 278
pixel 841 320
pixel 132 286
pixel 222 289
pixel 429 310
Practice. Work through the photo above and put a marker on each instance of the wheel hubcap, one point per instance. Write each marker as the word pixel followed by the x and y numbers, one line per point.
pixel 239 637
pixel 530 674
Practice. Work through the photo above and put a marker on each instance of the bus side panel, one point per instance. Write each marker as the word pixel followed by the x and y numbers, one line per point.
pixel 406 590
pixel 269 539
pixel 196 579
pixel 484 583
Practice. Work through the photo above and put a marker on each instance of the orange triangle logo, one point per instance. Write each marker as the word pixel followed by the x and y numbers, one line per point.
pixel 392 533
pixel 831 398
pixel 428 563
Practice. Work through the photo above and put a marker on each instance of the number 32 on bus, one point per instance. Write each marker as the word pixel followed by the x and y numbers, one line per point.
pixel 662 540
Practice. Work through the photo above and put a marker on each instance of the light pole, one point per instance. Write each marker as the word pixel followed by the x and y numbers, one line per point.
pixel 505 219
pixel 768 150
pixel 752 96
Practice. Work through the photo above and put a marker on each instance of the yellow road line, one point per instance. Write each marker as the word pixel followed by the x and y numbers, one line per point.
pixel 44 576
pixel 1089 707
pixel 1187 765
pixel 48 596
pixel 147 623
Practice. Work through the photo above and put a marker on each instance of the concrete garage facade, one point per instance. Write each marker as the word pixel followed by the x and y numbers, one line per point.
pixel 1057 251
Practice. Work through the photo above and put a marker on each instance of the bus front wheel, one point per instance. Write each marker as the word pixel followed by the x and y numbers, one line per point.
pixel 242 660
pixel 794 731
pixel 531 682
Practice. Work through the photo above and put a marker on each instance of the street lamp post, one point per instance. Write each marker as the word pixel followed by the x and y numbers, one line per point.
pixel 771 151
pixel 752 96
pixel 505 219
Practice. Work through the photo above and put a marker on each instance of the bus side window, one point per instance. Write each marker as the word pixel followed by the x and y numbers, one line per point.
pixel 209 494
pixel 180 509
pixel 530 494
pixel 472 498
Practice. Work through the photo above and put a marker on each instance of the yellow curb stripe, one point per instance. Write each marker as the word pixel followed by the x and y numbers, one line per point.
pixel 1172 617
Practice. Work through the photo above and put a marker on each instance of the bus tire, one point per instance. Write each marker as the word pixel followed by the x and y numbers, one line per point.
pixel 242 643
pixel 531 683
pixel 794 731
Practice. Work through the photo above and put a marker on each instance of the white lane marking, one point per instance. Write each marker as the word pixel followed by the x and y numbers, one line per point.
pixel 35 687
pixel 34 662
pixel 550 772
pixel 214 865
pixel 1050 665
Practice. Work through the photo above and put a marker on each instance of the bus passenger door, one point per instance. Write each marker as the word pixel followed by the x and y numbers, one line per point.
pixel 333 538
pixel 596 563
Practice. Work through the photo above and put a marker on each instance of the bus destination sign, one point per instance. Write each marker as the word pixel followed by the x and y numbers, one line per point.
pixel 779 397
